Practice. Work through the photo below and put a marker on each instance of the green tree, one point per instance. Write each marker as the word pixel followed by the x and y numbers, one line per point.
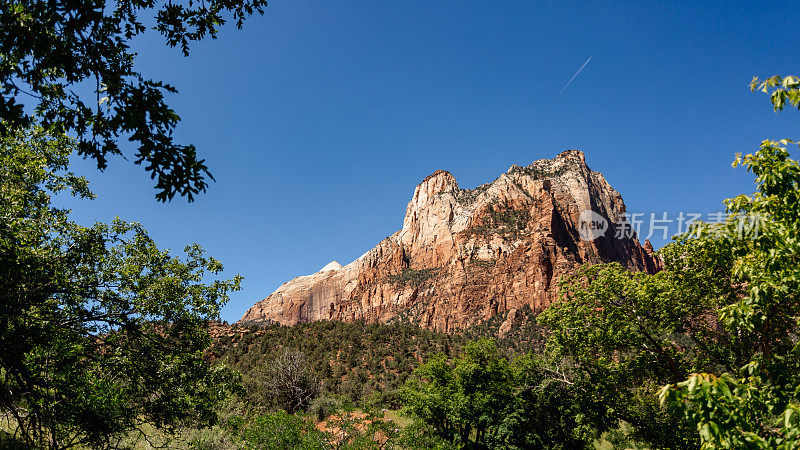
pixel 463 397
pixel 614 332
pixel 481 400
pixel 547 410
pixel 73 63
pixel 623 334
pixel 100 330
pixel 757 405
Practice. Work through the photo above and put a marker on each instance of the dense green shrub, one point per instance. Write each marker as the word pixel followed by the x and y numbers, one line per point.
pixel 278 431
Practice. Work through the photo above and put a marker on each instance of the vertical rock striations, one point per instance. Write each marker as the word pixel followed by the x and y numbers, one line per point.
pixel 466 255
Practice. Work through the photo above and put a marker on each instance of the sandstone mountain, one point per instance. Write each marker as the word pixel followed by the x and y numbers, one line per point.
pixel 464 256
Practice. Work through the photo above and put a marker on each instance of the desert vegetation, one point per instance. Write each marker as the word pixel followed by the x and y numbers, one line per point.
pixel 413 277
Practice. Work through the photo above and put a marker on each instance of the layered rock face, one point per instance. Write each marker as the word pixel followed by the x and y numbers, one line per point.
pixel 466 255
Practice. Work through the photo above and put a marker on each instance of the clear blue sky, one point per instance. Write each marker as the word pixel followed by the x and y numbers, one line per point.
pixel 319 118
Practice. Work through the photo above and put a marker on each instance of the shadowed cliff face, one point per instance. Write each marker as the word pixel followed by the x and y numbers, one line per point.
pixel 465 255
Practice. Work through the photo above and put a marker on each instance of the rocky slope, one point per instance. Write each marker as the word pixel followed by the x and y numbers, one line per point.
pixel 464 256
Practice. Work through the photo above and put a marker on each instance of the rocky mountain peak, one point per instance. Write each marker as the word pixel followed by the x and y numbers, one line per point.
pixel 435 183
pixel 576 156
pixel 464 256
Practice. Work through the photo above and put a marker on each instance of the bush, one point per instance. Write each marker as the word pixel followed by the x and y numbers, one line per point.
pixel 421 435
pixel 214 438
pixel 323 407
pixel 414 278
pixel 279 431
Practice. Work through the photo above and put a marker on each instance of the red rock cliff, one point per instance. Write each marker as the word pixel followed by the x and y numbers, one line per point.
pixel 465 255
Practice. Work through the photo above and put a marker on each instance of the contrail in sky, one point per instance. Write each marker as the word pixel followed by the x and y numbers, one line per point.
pixel 573 77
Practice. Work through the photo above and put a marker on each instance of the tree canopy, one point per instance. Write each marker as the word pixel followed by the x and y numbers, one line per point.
pixel 714 336
pixel 72 62
pixel 100 330
pixel 757 404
